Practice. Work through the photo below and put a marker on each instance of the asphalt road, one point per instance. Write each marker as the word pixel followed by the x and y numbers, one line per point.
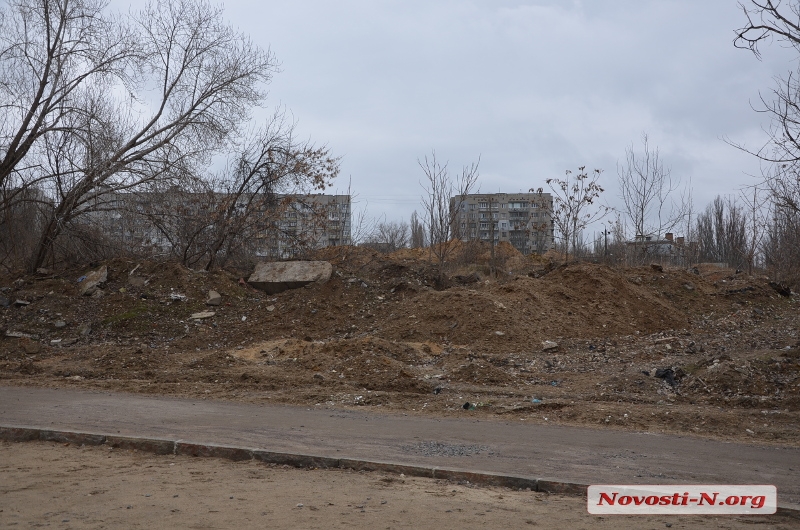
pixel 566 454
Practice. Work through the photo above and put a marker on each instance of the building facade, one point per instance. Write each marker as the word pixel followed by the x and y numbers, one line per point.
pixel 275 227
pixel 522 219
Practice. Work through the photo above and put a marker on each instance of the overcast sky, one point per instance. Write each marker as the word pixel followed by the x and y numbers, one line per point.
pixel 533 87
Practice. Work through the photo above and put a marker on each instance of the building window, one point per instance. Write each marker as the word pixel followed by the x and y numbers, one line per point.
pixel 483 205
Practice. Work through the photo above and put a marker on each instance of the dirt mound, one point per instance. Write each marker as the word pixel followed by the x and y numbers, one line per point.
pixel 385 331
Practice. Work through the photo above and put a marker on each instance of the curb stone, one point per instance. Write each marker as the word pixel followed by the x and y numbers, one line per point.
pixel 157 446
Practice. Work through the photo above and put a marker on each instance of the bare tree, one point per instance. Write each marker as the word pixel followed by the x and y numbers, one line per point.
pixel 756 223
pixel 768 20
pixel 722 232
pixel 190 82
pixel 574 205
pixel 442 202
pixel 417 229
pixel 781 246
pixel 389 236
pixel 270 163
pixel 53 55
pixel 647 191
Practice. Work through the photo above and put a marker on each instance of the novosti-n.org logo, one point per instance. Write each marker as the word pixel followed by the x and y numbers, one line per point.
pixel 682 499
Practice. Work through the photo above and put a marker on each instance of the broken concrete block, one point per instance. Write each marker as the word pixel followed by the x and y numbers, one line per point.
pixel 214 298
pixel 548 345
pixel 93 281
pixel 203 314
pixel 276 277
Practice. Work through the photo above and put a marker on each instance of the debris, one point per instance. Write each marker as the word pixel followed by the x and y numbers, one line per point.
pixel 276 277
pixel 665 340
pixel 780 289
pixel 214 298
pixel 93 281
pixel 536 400
pixel 499 333
pixel 18 335
pixel 549 345
pixel 58 324
pixel 203 314
pixel 21 303
pixel 656 267
pixel 43 271
pixel 270 308
pixel 469 406
pixel 669 375
pixel 177 297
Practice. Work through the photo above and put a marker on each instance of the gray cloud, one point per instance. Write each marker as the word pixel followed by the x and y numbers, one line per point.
pixel 534 87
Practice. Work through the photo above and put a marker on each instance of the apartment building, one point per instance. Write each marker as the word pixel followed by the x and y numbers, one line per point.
pixel 277 227
pixel 521 219
pixel 307 221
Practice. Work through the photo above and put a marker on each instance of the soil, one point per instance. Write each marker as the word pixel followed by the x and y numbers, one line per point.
pixel 48 484
pixel 707 351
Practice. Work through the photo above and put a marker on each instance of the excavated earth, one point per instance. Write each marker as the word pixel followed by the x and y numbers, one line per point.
pixel 705 352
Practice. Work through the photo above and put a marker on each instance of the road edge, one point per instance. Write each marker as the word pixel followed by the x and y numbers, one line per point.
pixel 164 446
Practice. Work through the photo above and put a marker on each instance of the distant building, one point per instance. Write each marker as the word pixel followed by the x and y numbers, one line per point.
pixel 308 221
pixel 281 227
pixel 522 219
pixel 653 246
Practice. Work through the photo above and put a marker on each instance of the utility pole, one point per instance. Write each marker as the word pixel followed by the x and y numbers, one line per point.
pixel 492 271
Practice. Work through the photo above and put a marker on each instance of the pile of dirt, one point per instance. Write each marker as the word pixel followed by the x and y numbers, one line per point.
pixel 578 343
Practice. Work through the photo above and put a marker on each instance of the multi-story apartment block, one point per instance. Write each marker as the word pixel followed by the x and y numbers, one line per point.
pixel 308 221
pixel 278 227
pixel 522 219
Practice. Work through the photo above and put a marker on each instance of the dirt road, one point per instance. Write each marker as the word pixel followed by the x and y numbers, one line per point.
pixel 47 484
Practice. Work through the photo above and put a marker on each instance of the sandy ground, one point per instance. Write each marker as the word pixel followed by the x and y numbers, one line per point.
pixel 54 485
